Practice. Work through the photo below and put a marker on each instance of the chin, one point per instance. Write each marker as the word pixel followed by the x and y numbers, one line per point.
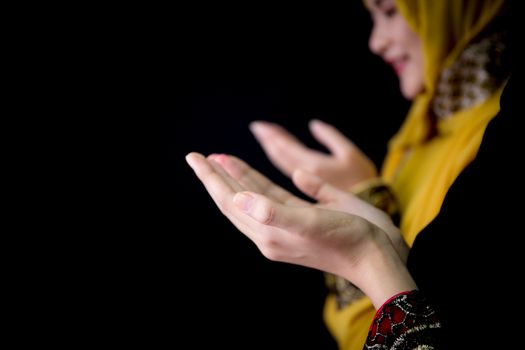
pixel 407 93
pixel 410 90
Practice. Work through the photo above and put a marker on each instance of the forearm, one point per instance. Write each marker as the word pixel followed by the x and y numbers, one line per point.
pixel 347 245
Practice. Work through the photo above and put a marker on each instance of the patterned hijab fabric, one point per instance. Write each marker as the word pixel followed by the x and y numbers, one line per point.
pixel 441 134
pixel 464 72
pixel 477 73
pixel 445 27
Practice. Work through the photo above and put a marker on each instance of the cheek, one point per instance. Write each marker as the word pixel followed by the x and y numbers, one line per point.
pixel 414 76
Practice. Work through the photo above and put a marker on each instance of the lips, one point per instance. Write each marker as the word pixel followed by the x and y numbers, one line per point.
pixel 398 64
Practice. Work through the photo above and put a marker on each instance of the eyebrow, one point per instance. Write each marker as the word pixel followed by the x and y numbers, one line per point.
pixel 378 2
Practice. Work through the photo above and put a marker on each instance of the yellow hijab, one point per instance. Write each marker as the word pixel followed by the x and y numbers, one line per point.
pixel 420 171
pixel 421 179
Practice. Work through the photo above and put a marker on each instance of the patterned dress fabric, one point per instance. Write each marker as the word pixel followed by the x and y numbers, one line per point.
pixel 404 322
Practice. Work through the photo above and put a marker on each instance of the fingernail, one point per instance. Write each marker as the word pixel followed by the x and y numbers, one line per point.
pixel 254 126
pixel 221 158
pixel 191 157
pixel 217 157
pixel 243 201
pixel 257 127
pixel 315 122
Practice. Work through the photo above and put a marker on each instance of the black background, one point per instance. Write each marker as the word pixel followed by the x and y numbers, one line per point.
pixel 214 75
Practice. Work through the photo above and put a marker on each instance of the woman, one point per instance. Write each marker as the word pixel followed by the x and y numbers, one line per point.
pixel 450 59
pixel 358 242
pixel 439 138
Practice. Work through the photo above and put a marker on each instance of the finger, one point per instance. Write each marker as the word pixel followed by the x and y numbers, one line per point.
pixel 218 188
pixel 333 198
pixel 330 137
pixel 314 186
pixel 217 166
pixel 271 213
pixel 221 192
pixel 284 150
pixel 252 180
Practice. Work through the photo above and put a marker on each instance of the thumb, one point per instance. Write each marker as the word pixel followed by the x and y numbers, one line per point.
pixel 330 137
pixel 270 213
pixel 314 186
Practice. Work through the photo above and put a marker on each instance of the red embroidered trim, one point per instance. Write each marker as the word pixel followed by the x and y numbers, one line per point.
pixel 378 312
pixel 405 321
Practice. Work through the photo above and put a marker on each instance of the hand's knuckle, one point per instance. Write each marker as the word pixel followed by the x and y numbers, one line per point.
pixel 267 214
pixel 270 253
pixel 267 242
pixel 269 246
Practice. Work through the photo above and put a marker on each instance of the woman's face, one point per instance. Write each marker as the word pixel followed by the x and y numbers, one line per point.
pixel 397 44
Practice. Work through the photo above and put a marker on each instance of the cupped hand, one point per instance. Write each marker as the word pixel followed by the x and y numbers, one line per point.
pixel 327 196
pixel 345 165
pixel 300 234
pixel 332 241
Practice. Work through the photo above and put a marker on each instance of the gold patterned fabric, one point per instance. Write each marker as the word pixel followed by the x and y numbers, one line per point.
pixel 479 71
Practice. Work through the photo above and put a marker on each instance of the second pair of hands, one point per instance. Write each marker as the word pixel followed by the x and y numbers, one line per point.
pixel 339 234
pixel 345 166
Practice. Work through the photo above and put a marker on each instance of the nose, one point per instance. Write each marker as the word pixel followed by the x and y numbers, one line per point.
pixel 379 39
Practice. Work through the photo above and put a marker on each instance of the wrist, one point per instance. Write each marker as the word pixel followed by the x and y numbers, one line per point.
pixel 365 184
pixel 379 194
pixel 399 243
pixel 382 273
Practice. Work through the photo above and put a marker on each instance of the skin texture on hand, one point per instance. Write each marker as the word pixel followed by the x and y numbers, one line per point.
pixel 292 231
pixel 345 165
pixel 326 195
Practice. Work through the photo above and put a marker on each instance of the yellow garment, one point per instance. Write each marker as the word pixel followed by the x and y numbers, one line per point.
pixel 423 180
pixel 420 171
